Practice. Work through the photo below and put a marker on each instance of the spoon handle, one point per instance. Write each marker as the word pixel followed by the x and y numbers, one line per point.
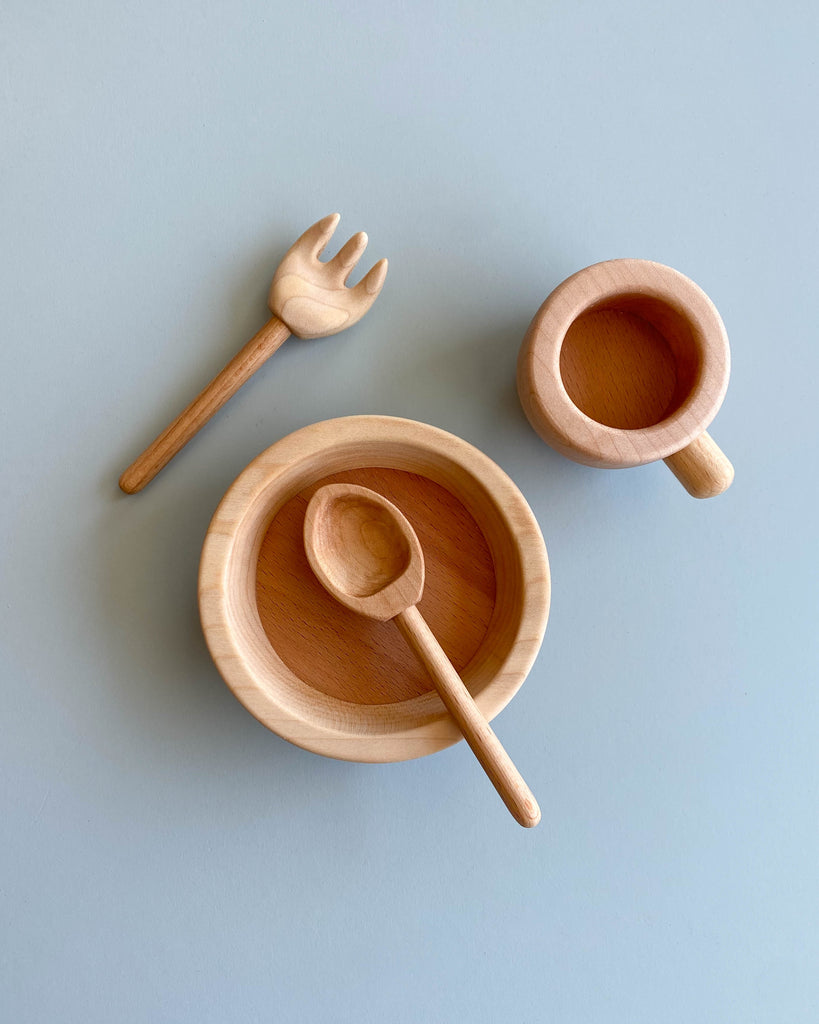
pixel 485 745
pixel 208 402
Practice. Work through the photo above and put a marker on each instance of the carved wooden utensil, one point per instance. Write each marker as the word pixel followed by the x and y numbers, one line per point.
pixel 367 555
pixel 308 298
pixel 627 362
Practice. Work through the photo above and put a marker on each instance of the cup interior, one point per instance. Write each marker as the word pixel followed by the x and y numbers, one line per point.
pixel 630 361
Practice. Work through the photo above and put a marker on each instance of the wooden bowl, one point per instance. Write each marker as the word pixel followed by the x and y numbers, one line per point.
pixel 332 681
pixel 627 362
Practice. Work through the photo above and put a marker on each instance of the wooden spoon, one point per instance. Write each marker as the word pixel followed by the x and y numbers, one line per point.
pixel 367 555
pixel 308 298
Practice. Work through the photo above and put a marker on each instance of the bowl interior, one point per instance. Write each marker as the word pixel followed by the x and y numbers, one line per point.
pixel 355 659
pixel 630 361
pixel 334 683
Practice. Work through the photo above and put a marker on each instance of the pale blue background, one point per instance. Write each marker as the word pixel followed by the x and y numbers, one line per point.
pixel 164 857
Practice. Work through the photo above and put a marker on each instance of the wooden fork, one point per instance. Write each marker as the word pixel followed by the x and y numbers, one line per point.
pixel 308 298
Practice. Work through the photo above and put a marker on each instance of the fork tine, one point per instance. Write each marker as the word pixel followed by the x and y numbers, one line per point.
pixel 373 281
pixel 316 237
pixel 349 254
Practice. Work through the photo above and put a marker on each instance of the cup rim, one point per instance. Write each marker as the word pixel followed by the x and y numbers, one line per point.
pixel 547 402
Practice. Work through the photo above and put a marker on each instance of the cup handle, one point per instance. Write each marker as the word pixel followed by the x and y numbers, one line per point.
pixel 702 468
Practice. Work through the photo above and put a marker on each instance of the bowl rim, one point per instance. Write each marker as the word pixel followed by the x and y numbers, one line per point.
pixel 543 394
pixel 287 705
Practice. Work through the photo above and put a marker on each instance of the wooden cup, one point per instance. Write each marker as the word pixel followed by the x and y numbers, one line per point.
pixel 627 362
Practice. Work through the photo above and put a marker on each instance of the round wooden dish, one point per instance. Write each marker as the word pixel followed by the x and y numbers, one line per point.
pixel 334 682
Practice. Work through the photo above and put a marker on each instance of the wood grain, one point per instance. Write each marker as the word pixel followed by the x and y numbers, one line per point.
pixel 206 404
pixel 308 298
pixel 312 297
pixel 618 369
pixel 483 742
pixel 363 550
pixel 627 362
pixel 352 691
pixel 702 468
pixel 365 553
pixel 360 660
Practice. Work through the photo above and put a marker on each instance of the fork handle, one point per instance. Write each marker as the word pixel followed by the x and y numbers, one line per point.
pixel 208 402
pixel 458 701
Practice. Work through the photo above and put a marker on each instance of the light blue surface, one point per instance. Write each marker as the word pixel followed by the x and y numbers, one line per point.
pixel 164 857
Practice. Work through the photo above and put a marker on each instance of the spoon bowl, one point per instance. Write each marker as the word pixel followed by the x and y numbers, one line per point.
pixel 363 551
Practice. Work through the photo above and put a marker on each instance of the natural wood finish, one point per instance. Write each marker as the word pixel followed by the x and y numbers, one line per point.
pixel 366 554
pixel 312 297
pixel 504 588
pixel 702 468
pixel 618 369
pixel 625 363
pixel 208 402
pixel 308 298
pixel 360 661
pixel 363 551
pixel 482 740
